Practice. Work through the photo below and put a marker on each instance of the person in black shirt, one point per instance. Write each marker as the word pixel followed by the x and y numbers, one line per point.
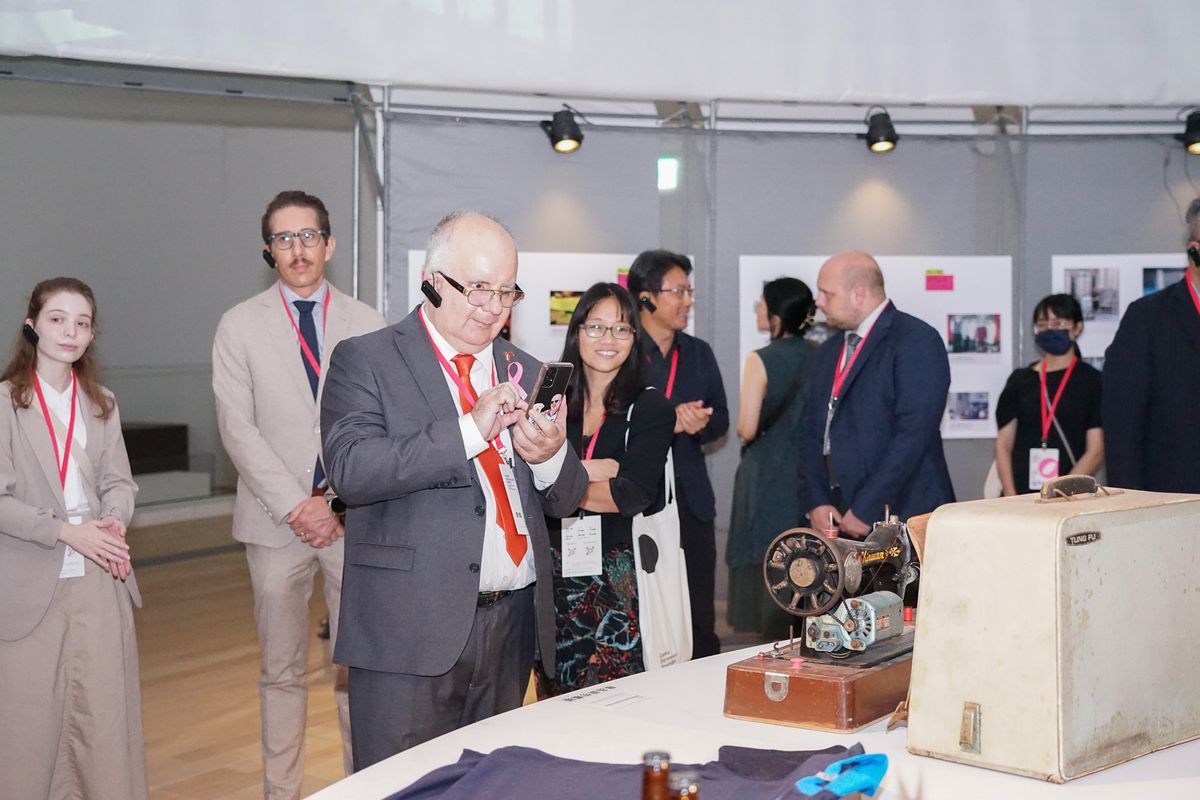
pixel 685 370
pixel 1060 386
pixel 622 431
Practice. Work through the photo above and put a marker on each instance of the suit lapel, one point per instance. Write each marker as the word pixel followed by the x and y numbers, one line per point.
pixel 337 324
pixel 283 341
pixel 1188 310
pixel 873 342
pixel 34 425
pixel 416 349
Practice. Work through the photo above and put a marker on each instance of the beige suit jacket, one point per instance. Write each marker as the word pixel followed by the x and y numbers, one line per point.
pixel 269 422
pixel 32 508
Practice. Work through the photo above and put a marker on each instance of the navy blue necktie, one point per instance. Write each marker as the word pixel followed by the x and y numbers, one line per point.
pixel 308 330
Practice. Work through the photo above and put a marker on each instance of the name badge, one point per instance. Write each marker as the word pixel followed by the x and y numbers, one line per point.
pixel 72 566
pixel 514 496
pixel 1043 465
pixel 581 548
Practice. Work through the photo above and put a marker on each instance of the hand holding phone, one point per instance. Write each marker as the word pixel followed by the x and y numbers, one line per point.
pixel 552 381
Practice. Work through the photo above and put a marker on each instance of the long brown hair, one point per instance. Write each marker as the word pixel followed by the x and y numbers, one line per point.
pixel 19 372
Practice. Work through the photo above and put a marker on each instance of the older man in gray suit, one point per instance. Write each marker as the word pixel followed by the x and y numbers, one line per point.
pixel 447 588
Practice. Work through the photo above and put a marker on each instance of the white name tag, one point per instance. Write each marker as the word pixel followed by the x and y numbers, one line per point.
pixel 514 496
pixel 581 549
pixel 1043 465
pixel 72 566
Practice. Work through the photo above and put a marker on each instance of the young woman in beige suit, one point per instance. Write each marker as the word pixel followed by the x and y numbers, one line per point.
pixel 70 706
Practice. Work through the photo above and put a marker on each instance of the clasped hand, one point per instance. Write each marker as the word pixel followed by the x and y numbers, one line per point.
pixel 534 436
pixel 102 541
pixel 315 524
pixel 692 417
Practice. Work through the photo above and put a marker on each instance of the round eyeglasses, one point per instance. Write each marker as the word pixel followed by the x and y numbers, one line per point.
pixel 620 331
pixel 480 297
pixel 284 239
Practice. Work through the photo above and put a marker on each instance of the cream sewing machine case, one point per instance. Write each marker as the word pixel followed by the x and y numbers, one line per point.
pixel 1057 638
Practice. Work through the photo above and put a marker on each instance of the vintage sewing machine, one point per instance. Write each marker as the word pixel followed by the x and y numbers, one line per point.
pixel 850 665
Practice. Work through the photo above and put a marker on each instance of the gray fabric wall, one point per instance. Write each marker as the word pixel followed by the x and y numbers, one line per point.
pixel 745 193
pixel 154 200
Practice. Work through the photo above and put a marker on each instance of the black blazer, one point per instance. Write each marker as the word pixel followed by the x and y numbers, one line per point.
pixel 697 377
pixel 1151 395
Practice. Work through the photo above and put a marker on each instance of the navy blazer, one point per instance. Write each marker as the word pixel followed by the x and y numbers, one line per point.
pixel 1151 393
pixel 697 377
pixel 885 438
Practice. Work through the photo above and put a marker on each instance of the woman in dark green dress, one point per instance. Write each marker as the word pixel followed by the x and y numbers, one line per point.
pixel 768 488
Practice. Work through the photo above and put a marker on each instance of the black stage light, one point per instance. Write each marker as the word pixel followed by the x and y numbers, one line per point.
pixel 1191 134
pixel 564 133
pixel 881 134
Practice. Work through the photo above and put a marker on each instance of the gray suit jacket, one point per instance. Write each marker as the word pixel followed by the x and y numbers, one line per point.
pixel 265 408
pixel 415 527
pixel 32 508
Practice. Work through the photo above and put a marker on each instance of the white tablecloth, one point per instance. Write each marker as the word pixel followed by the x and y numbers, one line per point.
pixel 679 710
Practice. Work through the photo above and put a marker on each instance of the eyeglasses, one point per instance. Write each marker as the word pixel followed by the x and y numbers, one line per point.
pixel 620 331
pixel 681 292
pixel 480 297
pixel 1053 325
pixel 284 239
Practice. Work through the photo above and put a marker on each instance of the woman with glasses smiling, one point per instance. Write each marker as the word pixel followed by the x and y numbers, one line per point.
pixel 1049 412
pixel 622 430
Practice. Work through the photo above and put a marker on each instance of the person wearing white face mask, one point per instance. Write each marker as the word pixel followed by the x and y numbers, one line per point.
pixel 1049 412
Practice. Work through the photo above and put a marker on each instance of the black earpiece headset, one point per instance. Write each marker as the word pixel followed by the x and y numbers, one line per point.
pixel 434 297
pixel 270 259
pixel 30 334
pixel 649 305
pixel 1194 255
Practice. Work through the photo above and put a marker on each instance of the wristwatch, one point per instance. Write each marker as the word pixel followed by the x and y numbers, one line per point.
pixel 336 505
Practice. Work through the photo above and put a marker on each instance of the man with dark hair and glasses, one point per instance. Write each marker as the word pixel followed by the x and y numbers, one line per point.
pixel 684 369
pixel 447 473
pixel 268 358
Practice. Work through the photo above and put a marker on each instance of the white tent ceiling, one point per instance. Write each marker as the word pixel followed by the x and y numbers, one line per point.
pixel 1021 52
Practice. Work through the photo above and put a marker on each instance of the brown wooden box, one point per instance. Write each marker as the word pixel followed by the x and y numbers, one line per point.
pixel 811 694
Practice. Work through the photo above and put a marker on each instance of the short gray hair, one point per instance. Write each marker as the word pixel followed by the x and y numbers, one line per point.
pixel 1192 218
pixel 442 234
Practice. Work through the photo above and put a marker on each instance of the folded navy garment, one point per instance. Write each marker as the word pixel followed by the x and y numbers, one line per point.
pixel 523 773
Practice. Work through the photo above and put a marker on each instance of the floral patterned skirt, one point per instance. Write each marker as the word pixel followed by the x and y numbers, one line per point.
pixel 597 638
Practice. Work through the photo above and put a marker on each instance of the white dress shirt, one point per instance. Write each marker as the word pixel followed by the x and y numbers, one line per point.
pixel 868 322
pixel 497 572
pixel 59 404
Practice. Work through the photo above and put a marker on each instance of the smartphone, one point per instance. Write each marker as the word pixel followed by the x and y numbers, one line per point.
pixel 552 380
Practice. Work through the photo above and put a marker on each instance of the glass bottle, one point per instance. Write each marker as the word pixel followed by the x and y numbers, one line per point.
pixel 683 785
pixel 656 768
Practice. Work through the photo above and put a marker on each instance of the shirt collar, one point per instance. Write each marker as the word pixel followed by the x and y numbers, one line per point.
pixel 51 394
pixel 484 358
pixel 292 297
pixel 865 326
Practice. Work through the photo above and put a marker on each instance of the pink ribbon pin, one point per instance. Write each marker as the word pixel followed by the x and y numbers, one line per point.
pixel 515 371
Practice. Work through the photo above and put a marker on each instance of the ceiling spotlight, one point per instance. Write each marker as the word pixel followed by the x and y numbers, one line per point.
pixel 563 130
pixel 1191 133
pixel 881 134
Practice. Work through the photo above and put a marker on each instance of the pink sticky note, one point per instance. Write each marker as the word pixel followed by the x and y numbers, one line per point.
pixel 937 282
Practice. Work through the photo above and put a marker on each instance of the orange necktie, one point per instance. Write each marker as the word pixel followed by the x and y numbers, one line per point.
pixel 514 543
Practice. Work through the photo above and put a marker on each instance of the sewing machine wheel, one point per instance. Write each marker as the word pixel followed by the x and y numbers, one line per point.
pixel 802 573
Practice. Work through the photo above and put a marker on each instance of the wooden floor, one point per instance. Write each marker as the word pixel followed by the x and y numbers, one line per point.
pixel 199 664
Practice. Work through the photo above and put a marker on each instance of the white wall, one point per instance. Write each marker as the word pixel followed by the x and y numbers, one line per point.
pixel 154 200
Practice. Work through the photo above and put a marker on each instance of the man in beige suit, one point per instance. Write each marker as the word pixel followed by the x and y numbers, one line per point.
pixel 268 358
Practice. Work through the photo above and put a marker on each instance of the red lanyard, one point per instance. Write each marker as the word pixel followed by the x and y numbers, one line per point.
pixel 308 354
pixel 1192 291
pixel 464 390
pixel 66 456
pixel 1048 412
pixel 840 372
pixel 595 435
pixel 671 374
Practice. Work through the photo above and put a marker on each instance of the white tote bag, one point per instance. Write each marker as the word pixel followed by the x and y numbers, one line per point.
pixel 664 607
